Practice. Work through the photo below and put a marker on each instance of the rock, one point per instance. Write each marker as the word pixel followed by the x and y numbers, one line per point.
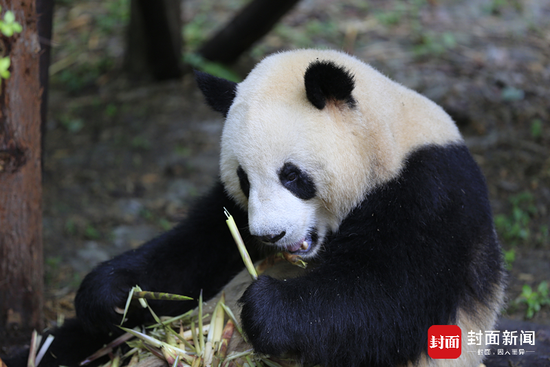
pixel 128 209
pixel 128 237
pixel 89 256
pixel 180 190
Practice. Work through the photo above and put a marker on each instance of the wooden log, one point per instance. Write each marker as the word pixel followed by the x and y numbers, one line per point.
pixel 154 44
pixel 21 269
pixel 251 24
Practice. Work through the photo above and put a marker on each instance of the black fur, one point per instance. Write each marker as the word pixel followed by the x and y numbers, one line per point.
pixel 326 81
pixel 243 181
pixel 414 251
pixel 219 93
pixel 297 181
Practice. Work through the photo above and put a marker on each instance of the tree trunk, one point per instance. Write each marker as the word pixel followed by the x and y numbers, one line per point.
pixel 155 42
pixel 21 270
pixel 44 12
pixel 251 24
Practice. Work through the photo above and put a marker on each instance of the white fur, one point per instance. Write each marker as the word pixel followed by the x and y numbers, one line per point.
pixel 346 151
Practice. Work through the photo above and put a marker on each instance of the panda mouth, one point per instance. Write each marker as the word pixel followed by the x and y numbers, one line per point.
pixel 299 247
pixel 303 246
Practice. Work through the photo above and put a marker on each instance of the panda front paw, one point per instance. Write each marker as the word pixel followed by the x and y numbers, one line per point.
pixel 102 297
pixel 266 319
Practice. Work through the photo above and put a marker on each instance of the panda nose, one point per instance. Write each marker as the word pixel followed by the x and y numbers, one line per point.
pixel 272 238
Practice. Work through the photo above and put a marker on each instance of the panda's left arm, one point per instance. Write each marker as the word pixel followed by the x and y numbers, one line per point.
pixel 330 315
pixel 198 254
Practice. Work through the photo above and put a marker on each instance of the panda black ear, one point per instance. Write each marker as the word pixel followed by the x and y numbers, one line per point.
pixel 326 81
pixel 219 93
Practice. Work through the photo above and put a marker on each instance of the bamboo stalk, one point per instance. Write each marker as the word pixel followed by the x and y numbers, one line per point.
pixel 208 353
pixel 226 337
pixel 135 358
pixel 127 307
pixel 161 296
pixel 294 260
pixel 108 348
pixel 188 334
pixel 35 340
pixel 115 362
pixel 154 351
pixel 166 349
pixel 234 319
pixel 218 319
pixel 233 356
pixel 194 333
pixel 179 337
pixel 201 334
pixel 240 244
pixel 44 349
pixel 170 320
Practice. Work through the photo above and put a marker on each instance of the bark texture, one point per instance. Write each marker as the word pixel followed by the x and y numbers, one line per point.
pixel 21 264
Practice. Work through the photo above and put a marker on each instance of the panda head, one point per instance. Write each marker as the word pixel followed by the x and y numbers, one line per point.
pixel 307 135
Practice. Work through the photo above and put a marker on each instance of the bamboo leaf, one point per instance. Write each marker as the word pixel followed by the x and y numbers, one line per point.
pixel 294 259
pixel 146 338
pixel 234 319
pixel 233 356
pixel 35 341
pixel 195 338
pixel 44 348
pixel 201 335
pixel 128 301
pixel 170 320
pixel 109 347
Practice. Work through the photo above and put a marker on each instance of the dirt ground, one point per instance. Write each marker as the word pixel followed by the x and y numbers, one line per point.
pixel 123 159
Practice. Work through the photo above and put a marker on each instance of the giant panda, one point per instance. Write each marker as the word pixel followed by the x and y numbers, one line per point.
pixel 324 157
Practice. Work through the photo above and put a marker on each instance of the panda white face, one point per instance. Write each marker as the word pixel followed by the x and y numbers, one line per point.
pixel 267 169
pixel 302 145
pixel 282 209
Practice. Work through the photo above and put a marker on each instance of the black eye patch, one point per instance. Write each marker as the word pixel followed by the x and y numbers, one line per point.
pixel 243 181
pixel 297 181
